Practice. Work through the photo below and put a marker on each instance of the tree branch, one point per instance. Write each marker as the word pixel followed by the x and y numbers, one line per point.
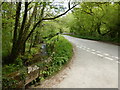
pixel 106 33
pixel 60 14
pixel 33 30
pixel 90 13
pixel 41 15
pixel 69 4
pixel 42 11
pixel 24 21
pixel 1 3
pixel 31 17
pixel 29 8
pixel 30 2
pixel 18 5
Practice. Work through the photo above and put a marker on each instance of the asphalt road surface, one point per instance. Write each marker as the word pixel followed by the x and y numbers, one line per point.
pixel 94 65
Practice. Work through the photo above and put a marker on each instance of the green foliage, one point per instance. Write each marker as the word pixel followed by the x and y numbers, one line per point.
pixel 19 62
pixel 50 28
pixel 60 50
pixel 10 68
pixel 7 27
pixel 9 82
pixel 17 66
pixel 17 30
pixel 95 20
pixel 60 54
pixel 34 50
pixel 20 25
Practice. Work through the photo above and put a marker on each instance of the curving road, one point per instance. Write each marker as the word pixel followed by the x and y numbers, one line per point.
pixel 94 65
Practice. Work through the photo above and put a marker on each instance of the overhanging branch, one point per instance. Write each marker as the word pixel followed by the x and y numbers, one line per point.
pixel 60 14
pixel 90 13
pixel 42 11
pixel 69 4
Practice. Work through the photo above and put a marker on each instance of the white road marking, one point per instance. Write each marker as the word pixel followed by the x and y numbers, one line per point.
pixel 87 50
pixel 100 55
pixel 93 52
pixel 106 54
pixel 115 57
pixel 108 58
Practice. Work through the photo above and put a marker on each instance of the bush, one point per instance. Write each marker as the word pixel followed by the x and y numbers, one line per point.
pixel 60 49
pixel 60 52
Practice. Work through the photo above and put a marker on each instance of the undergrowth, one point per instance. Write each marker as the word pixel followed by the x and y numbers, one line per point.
pixel 59 52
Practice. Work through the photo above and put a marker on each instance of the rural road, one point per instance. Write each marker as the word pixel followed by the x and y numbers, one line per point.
pixel 94 65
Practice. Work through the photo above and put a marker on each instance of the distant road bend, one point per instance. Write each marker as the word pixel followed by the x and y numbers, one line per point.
pixel 94 65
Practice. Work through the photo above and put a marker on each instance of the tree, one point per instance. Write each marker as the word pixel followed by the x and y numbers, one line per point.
pixel 96 19
pixel 7 27
pixel 23 27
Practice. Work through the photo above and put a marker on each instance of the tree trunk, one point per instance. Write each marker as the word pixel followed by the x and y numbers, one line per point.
pixel 18 43
pixel 20 40
pixel 98 28
pixel 14 51
pixel 14 54
pixel 22 51
pixel 31 43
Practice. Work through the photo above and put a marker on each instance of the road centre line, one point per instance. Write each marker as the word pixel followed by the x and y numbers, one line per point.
pixel 100 55
pixel 88 50
pixel 93 52
pixel 115 57
pixel 84 48
pixel 108 58
pixel 106 54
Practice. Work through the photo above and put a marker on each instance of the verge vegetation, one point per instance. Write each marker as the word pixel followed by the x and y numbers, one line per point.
pixel 59 53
